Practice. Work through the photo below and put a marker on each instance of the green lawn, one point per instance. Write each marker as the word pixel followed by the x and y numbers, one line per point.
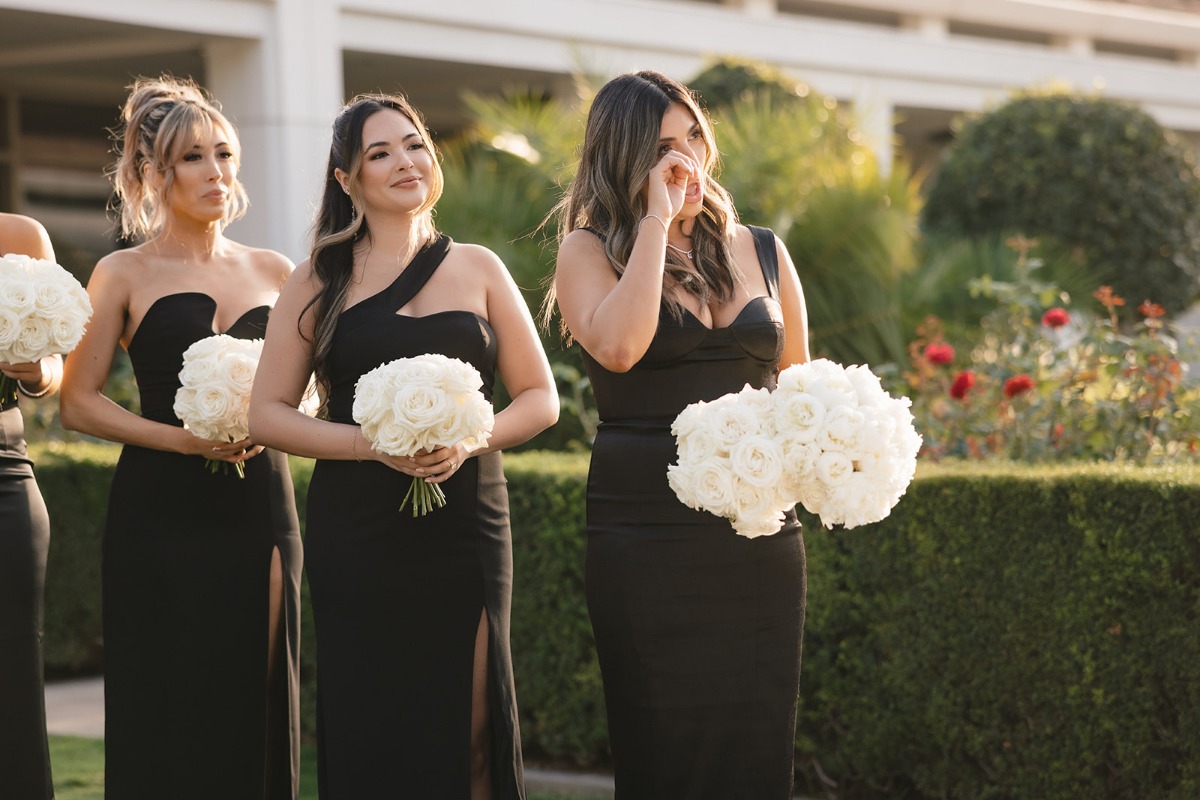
pixel 79 771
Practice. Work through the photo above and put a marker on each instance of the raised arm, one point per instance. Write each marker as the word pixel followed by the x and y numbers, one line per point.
pixel 615 317
pixel 795 314
pixel 85 408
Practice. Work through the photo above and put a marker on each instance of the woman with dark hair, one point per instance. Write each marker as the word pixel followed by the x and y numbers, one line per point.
pixel 24 544
pixel 201 570
pixel 698 629
pixel 415 684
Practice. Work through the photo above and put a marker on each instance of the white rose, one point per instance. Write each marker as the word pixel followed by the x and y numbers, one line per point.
pixel 213 403
pixel 813 496
pixel 420 405
pixel 33 340
pixel 866 385
pixel 731 422
pixel 709 484
pixel 689 420
pixel 765 525
pixel 394 438
pixel 237 370
pixel 18 295
pixel 197 371
pixel 842 430
pixel 758 461
pixel 699 444
pixel 798 414
pixel 834 468
pixel 10 326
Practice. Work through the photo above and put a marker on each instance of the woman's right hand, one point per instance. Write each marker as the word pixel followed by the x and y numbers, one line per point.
pixel 667 184
pixel 232 452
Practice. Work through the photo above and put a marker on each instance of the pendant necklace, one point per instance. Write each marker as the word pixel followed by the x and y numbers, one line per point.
pixel 681 251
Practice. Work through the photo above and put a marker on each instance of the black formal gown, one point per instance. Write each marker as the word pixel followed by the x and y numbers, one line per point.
pixel 698 630
pixel 189 710
pixel 396 599
pixel 24 543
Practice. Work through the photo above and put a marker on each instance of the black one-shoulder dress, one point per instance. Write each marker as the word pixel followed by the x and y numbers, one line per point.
pixel 698 630
pixel 397 600
pixel 24 545
pixel 189 711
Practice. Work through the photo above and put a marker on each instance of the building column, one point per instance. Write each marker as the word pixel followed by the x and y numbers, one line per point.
pixel 875 114
pixel 281 93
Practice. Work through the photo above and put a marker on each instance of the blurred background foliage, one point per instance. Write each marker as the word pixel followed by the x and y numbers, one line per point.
pixel 1112 198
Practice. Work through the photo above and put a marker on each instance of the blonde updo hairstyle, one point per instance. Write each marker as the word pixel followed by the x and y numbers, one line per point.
pixel 162 119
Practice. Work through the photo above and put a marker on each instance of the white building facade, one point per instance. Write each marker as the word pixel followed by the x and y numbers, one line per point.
pixel 281 69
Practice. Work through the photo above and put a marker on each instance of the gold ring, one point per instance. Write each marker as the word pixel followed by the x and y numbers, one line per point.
pixel 450 461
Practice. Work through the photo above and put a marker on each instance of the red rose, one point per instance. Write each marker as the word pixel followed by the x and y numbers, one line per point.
pixel 1017 384
pixel 1056 318
pixel 963 382
pixel 939 353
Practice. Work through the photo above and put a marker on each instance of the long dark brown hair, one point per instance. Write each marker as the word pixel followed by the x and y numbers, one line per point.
pixel 340 224
pixel 620 147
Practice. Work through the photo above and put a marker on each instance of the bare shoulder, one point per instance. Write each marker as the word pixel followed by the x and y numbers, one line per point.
pixel 271 265
pixel 581 242
pixel 479 259
pixel 25 235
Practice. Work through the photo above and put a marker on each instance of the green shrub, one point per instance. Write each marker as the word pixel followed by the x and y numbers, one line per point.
pixel 1101 178
pixel 1010 633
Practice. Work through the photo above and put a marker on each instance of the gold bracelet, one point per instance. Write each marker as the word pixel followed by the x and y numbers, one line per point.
pixel 354 445
pixel 27 393
pixel 666 227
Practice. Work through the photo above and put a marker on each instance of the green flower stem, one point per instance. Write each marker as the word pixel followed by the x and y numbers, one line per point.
pixel 8 389
pixel 425 497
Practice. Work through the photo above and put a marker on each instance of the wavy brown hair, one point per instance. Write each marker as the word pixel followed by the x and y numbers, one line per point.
pixel 163 118
pixel 340 224
pixel 620 147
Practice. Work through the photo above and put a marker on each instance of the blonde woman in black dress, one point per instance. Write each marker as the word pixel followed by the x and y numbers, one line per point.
pixel 24 544
pixel 698 630
pixel 201 570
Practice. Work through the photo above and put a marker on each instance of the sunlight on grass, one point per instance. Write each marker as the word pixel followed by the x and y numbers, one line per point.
pixel 78 766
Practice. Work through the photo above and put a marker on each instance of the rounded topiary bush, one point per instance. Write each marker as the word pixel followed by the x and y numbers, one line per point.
pixel 1100 178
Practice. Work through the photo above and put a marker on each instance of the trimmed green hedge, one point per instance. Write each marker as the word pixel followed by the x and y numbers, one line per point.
pixel 1007 633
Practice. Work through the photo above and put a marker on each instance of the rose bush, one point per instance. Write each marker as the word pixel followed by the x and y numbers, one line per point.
pixel 1045 380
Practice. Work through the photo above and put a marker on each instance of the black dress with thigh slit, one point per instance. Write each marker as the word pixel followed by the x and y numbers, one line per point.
pixel 189 710
pixel 397 600
pixel 24 544
pixel 698 630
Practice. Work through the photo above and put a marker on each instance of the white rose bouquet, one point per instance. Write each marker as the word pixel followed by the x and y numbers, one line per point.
pixel 43 311
pixel 213 400
pixel 418 404
pixel 730 461
pixel 851 447
pixel 829 438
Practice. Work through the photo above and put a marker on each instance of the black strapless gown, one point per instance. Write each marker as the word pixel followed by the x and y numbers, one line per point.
pixel 397 599
pixel 24 544
pixel 189 712
pixel 698 630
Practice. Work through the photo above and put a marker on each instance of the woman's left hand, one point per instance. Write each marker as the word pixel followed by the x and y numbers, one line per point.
pixel 438 465
pixel 31 373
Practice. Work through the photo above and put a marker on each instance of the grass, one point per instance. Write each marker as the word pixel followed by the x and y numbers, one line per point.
pixel 79 771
